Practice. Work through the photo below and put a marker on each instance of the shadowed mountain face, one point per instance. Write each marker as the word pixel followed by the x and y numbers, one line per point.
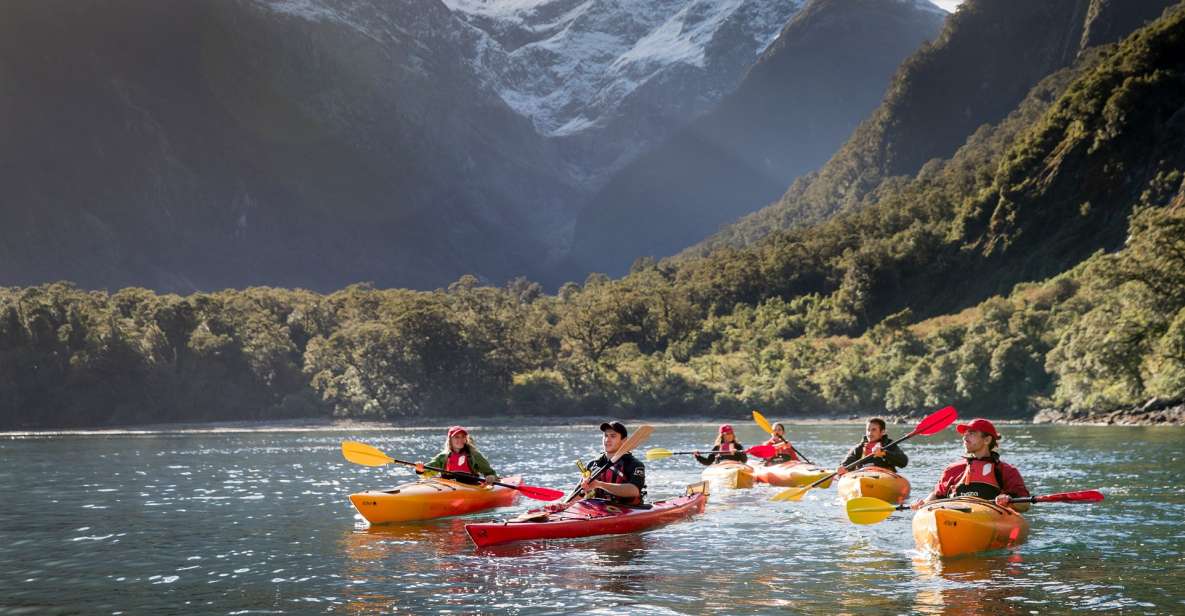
pixel 199 145
pixel 991 53
pixel 826 71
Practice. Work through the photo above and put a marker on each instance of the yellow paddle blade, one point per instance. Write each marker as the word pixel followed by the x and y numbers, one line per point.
pixel 869 510
pixel 761 421
pixel 361 453
pixel 792 494
pixel 658 454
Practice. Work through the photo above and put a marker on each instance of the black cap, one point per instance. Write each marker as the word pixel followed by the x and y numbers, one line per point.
pixel 615 426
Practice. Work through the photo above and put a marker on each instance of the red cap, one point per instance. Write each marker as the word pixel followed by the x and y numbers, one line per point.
pixel 726 429
pixel 979 425
pixel 457 430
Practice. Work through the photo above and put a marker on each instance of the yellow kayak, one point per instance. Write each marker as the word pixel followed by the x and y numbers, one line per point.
pixel 875 482
pixel 791 474
pixel 729 474
pixel 431 498
pixel 966 525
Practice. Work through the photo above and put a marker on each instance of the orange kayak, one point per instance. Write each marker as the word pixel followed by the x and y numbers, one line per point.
pixel 431 498
pixel 791 474
pixel 966 525
pixel 875 482
pixel 729 474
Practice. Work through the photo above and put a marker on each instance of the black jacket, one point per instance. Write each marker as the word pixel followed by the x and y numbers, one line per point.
pixel 628 467
pixel 893 460
pixel 739 455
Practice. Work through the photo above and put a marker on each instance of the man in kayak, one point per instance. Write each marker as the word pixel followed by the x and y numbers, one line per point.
pixel 875 439
pixel 726 448
pixel 783 450
pixel 624 482
pixel 980 473
pixel 460 454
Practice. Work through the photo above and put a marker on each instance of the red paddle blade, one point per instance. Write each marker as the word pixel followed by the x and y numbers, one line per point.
pixel 538 493
pixel 937 421
pixel 1085 496
pixel 762 451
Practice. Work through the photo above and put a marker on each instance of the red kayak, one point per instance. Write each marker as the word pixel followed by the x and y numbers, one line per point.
pixel 587 518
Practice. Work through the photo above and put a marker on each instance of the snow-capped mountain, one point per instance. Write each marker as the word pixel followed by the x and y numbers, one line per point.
pixel 606 78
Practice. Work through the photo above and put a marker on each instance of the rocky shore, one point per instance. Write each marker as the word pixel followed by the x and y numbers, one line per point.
pixel 1153 413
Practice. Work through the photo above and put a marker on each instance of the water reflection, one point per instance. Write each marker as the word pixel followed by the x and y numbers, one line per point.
pixel 969 585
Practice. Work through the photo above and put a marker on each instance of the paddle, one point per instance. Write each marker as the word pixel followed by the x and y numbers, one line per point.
pixel 361 453
pixel 632 442
pixel 759 451
pixel 869 510
pixel 765 425
pixel 932 424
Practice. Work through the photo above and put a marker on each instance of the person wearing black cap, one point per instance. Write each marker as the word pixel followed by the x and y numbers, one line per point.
pixel 623 482
pixel 980 473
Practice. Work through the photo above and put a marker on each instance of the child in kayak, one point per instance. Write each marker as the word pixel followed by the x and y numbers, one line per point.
pixel 623 483
pixel 875 439
pixel 726 448
pixel 783 450
pixel 981 473
pixel 460 454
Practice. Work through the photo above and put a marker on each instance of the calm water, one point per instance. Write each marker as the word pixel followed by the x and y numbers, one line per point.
pixel 259 522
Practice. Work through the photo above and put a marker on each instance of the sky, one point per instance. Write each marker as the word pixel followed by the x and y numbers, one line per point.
pixel 949 5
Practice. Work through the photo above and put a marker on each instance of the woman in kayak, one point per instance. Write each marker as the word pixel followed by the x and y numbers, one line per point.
pixel 875 439
pixel 623 482
pixel 980 473
pixel 460 455
pixel 726 448
pixel 783 450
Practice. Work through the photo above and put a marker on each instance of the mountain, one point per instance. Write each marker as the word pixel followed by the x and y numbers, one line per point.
pixel 199 145
pixel 604 79
pixel 827 69
pixel 990 54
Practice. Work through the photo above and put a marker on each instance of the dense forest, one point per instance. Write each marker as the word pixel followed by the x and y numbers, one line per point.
pixel 1041 265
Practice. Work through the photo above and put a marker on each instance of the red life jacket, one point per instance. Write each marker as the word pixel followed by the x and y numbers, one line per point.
pixel 612 474
pixel 981 478
pixel 459 462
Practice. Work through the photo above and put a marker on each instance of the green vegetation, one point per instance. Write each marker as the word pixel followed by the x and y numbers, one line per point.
pixel 1043 264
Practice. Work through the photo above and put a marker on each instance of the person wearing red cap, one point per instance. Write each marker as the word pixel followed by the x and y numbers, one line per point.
pixel 460 454
pixel 624 481
pixel 980 473
pixel 726 448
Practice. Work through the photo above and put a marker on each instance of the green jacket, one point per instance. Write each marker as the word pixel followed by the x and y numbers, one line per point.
pixel 477 462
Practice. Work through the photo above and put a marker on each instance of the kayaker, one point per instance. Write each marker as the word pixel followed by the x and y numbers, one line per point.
pixel 460 454
pixel 726 448
pixel 875 439
pixel 783 450
pixel 980 473
pixel 623 483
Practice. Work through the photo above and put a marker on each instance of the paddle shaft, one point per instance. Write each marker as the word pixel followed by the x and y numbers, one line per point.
pixel 866 458
pixel 765 425
pixel 458 474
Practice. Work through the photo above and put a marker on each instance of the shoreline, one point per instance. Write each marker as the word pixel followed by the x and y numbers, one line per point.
pixel 1168 416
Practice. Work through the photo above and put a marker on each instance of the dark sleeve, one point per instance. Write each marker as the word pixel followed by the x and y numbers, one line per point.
pixel 638 475
pixel 896 457
pixel 707 460
pixel 853 455
pixel 741 456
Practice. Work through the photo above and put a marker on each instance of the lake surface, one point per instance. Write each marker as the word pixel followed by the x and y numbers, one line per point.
pixel 259 523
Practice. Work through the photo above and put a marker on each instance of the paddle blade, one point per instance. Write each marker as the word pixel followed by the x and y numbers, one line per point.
pixel 869 510
pixel 791 494
pixel 937 421
pixel 761 451
pixel 634 441
pixel 761 421
pixel 1085 496
pixel 658 454
pixel 541 494
pixel 361 453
